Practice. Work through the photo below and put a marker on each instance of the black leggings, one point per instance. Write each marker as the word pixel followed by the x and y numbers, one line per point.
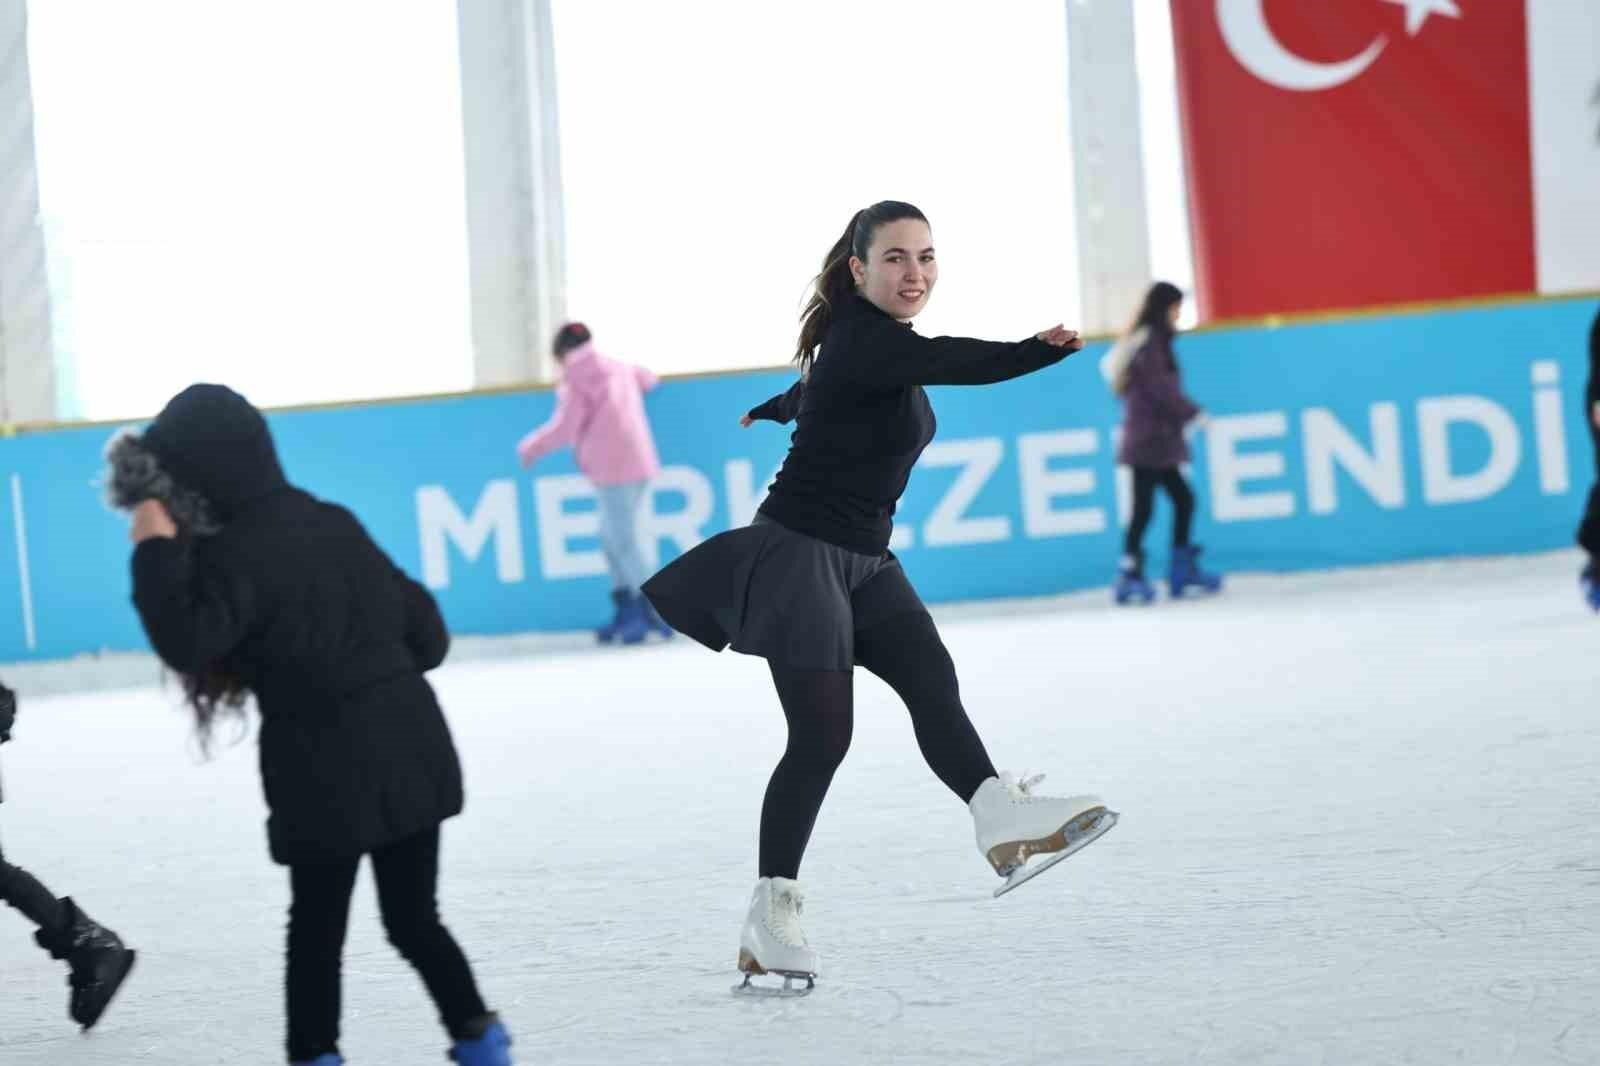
pixel 1145 481
pixel 23 891
pixel 1589 529
pixel 407 874
pixel 906 652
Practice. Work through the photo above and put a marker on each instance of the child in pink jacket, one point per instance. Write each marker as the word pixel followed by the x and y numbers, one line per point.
pixel 600 410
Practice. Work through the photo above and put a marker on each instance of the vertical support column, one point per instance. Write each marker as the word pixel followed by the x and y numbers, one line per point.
pixel 515 238
pixel 27 369
pixel 1107 163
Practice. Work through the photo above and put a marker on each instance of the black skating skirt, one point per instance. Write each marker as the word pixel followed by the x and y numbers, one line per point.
pixel 769 591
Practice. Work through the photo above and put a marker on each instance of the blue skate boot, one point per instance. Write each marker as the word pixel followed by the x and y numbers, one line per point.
pixel 327 1058
pixel 633 619
pixel 1131 586
pixel 1185 575
pixel 608 632
pixel 490 1047
pixel 1589 583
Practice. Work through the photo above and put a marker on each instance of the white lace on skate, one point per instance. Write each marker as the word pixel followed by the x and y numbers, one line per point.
pixel 783 917
pixel 1021 791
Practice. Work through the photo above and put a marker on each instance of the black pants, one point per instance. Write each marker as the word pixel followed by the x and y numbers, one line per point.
pixel 1589 528
pixel 1145 481
pixel 407 874
pixel 906 652
pixel 23 891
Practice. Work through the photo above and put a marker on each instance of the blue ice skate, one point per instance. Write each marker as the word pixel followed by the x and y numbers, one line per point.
pixel 1589 583
pixel 326 1059
pixel 1131 586
pixel 633 619
pixel 1185 576
pixel 608 632
pixel 492 1047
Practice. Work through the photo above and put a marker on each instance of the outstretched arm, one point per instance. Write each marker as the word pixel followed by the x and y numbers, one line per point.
pixel 894 356
pixel 781 409
pixel 559 432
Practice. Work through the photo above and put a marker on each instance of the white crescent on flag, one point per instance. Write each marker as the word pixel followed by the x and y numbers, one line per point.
pixel 1244 28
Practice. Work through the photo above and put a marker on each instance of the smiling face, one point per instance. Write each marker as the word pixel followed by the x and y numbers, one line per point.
pixel 899 270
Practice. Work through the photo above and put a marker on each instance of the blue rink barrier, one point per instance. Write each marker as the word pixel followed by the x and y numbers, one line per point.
pixel 1359 441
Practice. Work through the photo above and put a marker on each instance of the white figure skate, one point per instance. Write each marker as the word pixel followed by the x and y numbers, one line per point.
pixel 1012 825
pixel 772 941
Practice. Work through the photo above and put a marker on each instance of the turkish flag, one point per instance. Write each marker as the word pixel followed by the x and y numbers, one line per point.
pixel 1344 154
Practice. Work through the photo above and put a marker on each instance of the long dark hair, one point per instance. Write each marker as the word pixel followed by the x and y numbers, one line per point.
pixel 213 693
pixel 834 283
pixel 134 474
pixel 1156 311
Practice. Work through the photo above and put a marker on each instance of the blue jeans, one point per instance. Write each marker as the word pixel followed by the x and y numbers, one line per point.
pixel 619 535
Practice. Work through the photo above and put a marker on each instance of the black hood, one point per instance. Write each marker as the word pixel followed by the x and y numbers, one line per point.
pixel 213 442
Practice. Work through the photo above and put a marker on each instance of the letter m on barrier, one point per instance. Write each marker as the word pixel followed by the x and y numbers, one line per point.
pixel 440 523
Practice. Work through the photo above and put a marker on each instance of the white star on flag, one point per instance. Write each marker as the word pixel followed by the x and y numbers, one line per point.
pixel 1417 11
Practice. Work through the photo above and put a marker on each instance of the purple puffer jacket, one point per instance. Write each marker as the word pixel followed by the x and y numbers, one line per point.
pixel 1155 410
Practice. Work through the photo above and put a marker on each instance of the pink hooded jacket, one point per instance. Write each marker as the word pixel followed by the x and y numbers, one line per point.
pixel 599 408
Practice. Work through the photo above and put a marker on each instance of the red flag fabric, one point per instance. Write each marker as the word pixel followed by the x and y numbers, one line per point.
pixel 1351 153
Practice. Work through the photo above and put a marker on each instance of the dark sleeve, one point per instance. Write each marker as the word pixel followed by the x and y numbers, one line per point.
pixel 426 634
pixel 1158 386
pixel 781 408
pixel 193 619
pixel 1593 391
pixel 8 712
pixel 884 354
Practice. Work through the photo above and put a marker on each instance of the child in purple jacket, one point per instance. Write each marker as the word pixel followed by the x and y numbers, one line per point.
pixel 1144 373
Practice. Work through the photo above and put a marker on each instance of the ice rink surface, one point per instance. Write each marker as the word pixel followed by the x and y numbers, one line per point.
pixel 1361 824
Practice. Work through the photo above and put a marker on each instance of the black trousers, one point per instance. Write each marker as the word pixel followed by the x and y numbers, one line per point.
pixel 23 891
pixel 1589 528
pixel 1146 479
pixel 407 874
pixel 906 652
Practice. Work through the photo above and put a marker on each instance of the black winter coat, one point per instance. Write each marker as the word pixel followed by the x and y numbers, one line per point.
pixel 294 599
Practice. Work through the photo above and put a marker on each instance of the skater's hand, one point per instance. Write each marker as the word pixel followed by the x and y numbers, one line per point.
pixel 746 421
pixel 150 519
pixel 1594 415
pixel 8 713
pixel 1058 336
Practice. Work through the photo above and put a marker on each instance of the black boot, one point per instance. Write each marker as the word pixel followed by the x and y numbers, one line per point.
pixel 98 959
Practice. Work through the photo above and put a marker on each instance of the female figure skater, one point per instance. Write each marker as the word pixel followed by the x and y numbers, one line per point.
pixel 246 584
pixel 812 587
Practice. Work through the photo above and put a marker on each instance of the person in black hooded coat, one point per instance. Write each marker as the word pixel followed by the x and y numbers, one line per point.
pixel 246 584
